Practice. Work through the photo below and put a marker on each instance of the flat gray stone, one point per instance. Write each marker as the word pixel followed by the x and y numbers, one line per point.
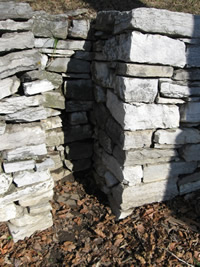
pixel 177 136
pixel 52 123
pixel 15 10
pixel 79 90
pixel 76 118
pixel 10 25
pixel 142 116
pixel 10 212
pixel 145 48
pixel 55 137
pixel 193 56
pixel 170 101
pixel 16 166
pixel 186 74
pixel 142 70
pixel 9 86
pixel 24 178
pixel 105 141
pixel 99 94
pixel 136 90
pixel 44 165
pixel 25 152
pixel 158 21
pixel 47 25
pixel 5 180
pixel 55 156
pixel 42 208
pixel 57 52
pixel 188 188
pixel 22 135
pixel 19 40
pixel 54 99
pixel 102 74
pixel 74 106
pixel 18 62
pixel 36 198
pixel 69 65
pixel 191 152
pixel 36 87
pixel 190 112
pixel 79 29
pixel 77 133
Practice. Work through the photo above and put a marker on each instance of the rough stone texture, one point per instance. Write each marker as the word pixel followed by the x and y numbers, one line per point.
pixel 10 25
pixel 170 101
pixel 177 136
pixel 99 94
pixel 5 181
pixel 142 116
pixel 69 65
pixel 2 127
pixel 55 137
pixel 167 170
pixel 79 150
pixel 10 167
pixel 14 10
pixel 40 208
pixel 25 152
pixel 193 58
pixel 173 90
pixel 18 40
pixel 142 70
pixel 77 118
pixel 188 188
pixel 159 21
pixel 79 29
pixel 74 106
pixel 44 165
pixel 29 178
pixel 36 87
pixel 43 223
pixel 36 198
pixel 46 25
pixel 22 135
pixel 191 152
pixel 145 48
pixel 18 61
pixel 186 74
pixel 54 99
pixel 12 211
pixel 190 112
pixel 9 86
pixel 102 74
pixel 144 156
pixel 57 52
pixel 79 90
pixel 52 123
pixel 136 90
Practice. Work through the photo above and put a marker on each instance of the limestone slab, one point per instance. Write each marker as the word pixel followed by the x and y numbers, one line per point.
pixel 167 170
pixel 142 70
pixel 22 135
pixel 136 90
pixel 42 208
pixel 190 187
pixel 15 104
pixel 48 25
pixel 177 136
pixel 69 65
pixel 190 112
pixel 102 74
pixel 36 198
pixel 18 62
pixel 79 29
pixel 16 166
pixel 55 137
pixel 25 152
pixel 54 99
pixel 145 48
pixel 44 165
pixel 52 123
pixel 24 178
pixel 79 89
pixel 18 40
pixel 2 127
pixel 5 181
pixel 73 106
pixel 15 10
pixel 159 21
pixel 186 74
pixel 10 25
pixel 36 87
pixel 191 152
pixel 10 212
pixel 193 56
pixel 173 90
pixel 9 86
pixel 142 116
pixel 170 101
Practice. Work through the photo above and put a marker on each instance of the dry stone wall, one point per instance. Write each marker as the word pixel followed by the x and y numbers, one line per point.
pixel 146 75
pixel 46 98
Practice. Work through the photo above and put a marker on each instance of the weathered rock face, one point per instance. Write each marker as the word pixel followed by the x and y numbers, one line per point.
pixel 13 10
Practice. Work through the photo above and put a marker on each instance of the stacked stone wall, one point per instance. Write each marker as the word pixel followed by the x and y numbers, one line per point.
pixel 146 71
pixel 46 98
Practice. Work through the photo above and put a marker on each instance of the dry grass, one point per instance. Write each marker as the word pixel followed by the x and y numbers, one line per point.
pixel 61 6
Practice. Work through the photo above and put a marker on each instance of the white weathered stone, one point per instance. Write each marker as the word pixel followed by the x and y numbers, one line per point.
pixel 142 116
pixel 5 181
pixel 36 199
pixel 27 193
pixel 191 152
pixel 131 174
pixel 45 164
pixel 170 101
pixel 9 212
pixel 9 86
pixel 137 139
pixel 50 112
pixel 14 104
pixel 177 136
pixel 11 25
pixel 55 156
pixel 142 70
pixel 25 152
pixel 41 208
pixel 136 90
pixel 27 178
pixel 18 62
pixel 18 40
pixel 18 166
pixel 48 25
pixel 144 156
pixel 79 29
pixel 20 232
pixel 158 21
pixel 54 99
pixel 167 170
pixel 173 90
pixel 22 135
pixel 65 45
pixel 57 52
pixel 2 127
pixel 36 87
pixel 190 112
pixel 145 48
pixel 52 123
pixel 133 196
pixel 55 137
pixel 43 61
pixel 14 10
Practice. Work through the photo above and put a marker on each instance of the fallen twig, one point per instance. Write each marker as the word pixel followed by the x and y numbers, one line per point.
pixel 188 264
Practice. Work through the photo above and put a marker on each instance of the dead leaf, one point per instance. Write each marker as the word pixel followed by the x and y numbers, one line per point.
pixel 68 246
pixel 100 233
